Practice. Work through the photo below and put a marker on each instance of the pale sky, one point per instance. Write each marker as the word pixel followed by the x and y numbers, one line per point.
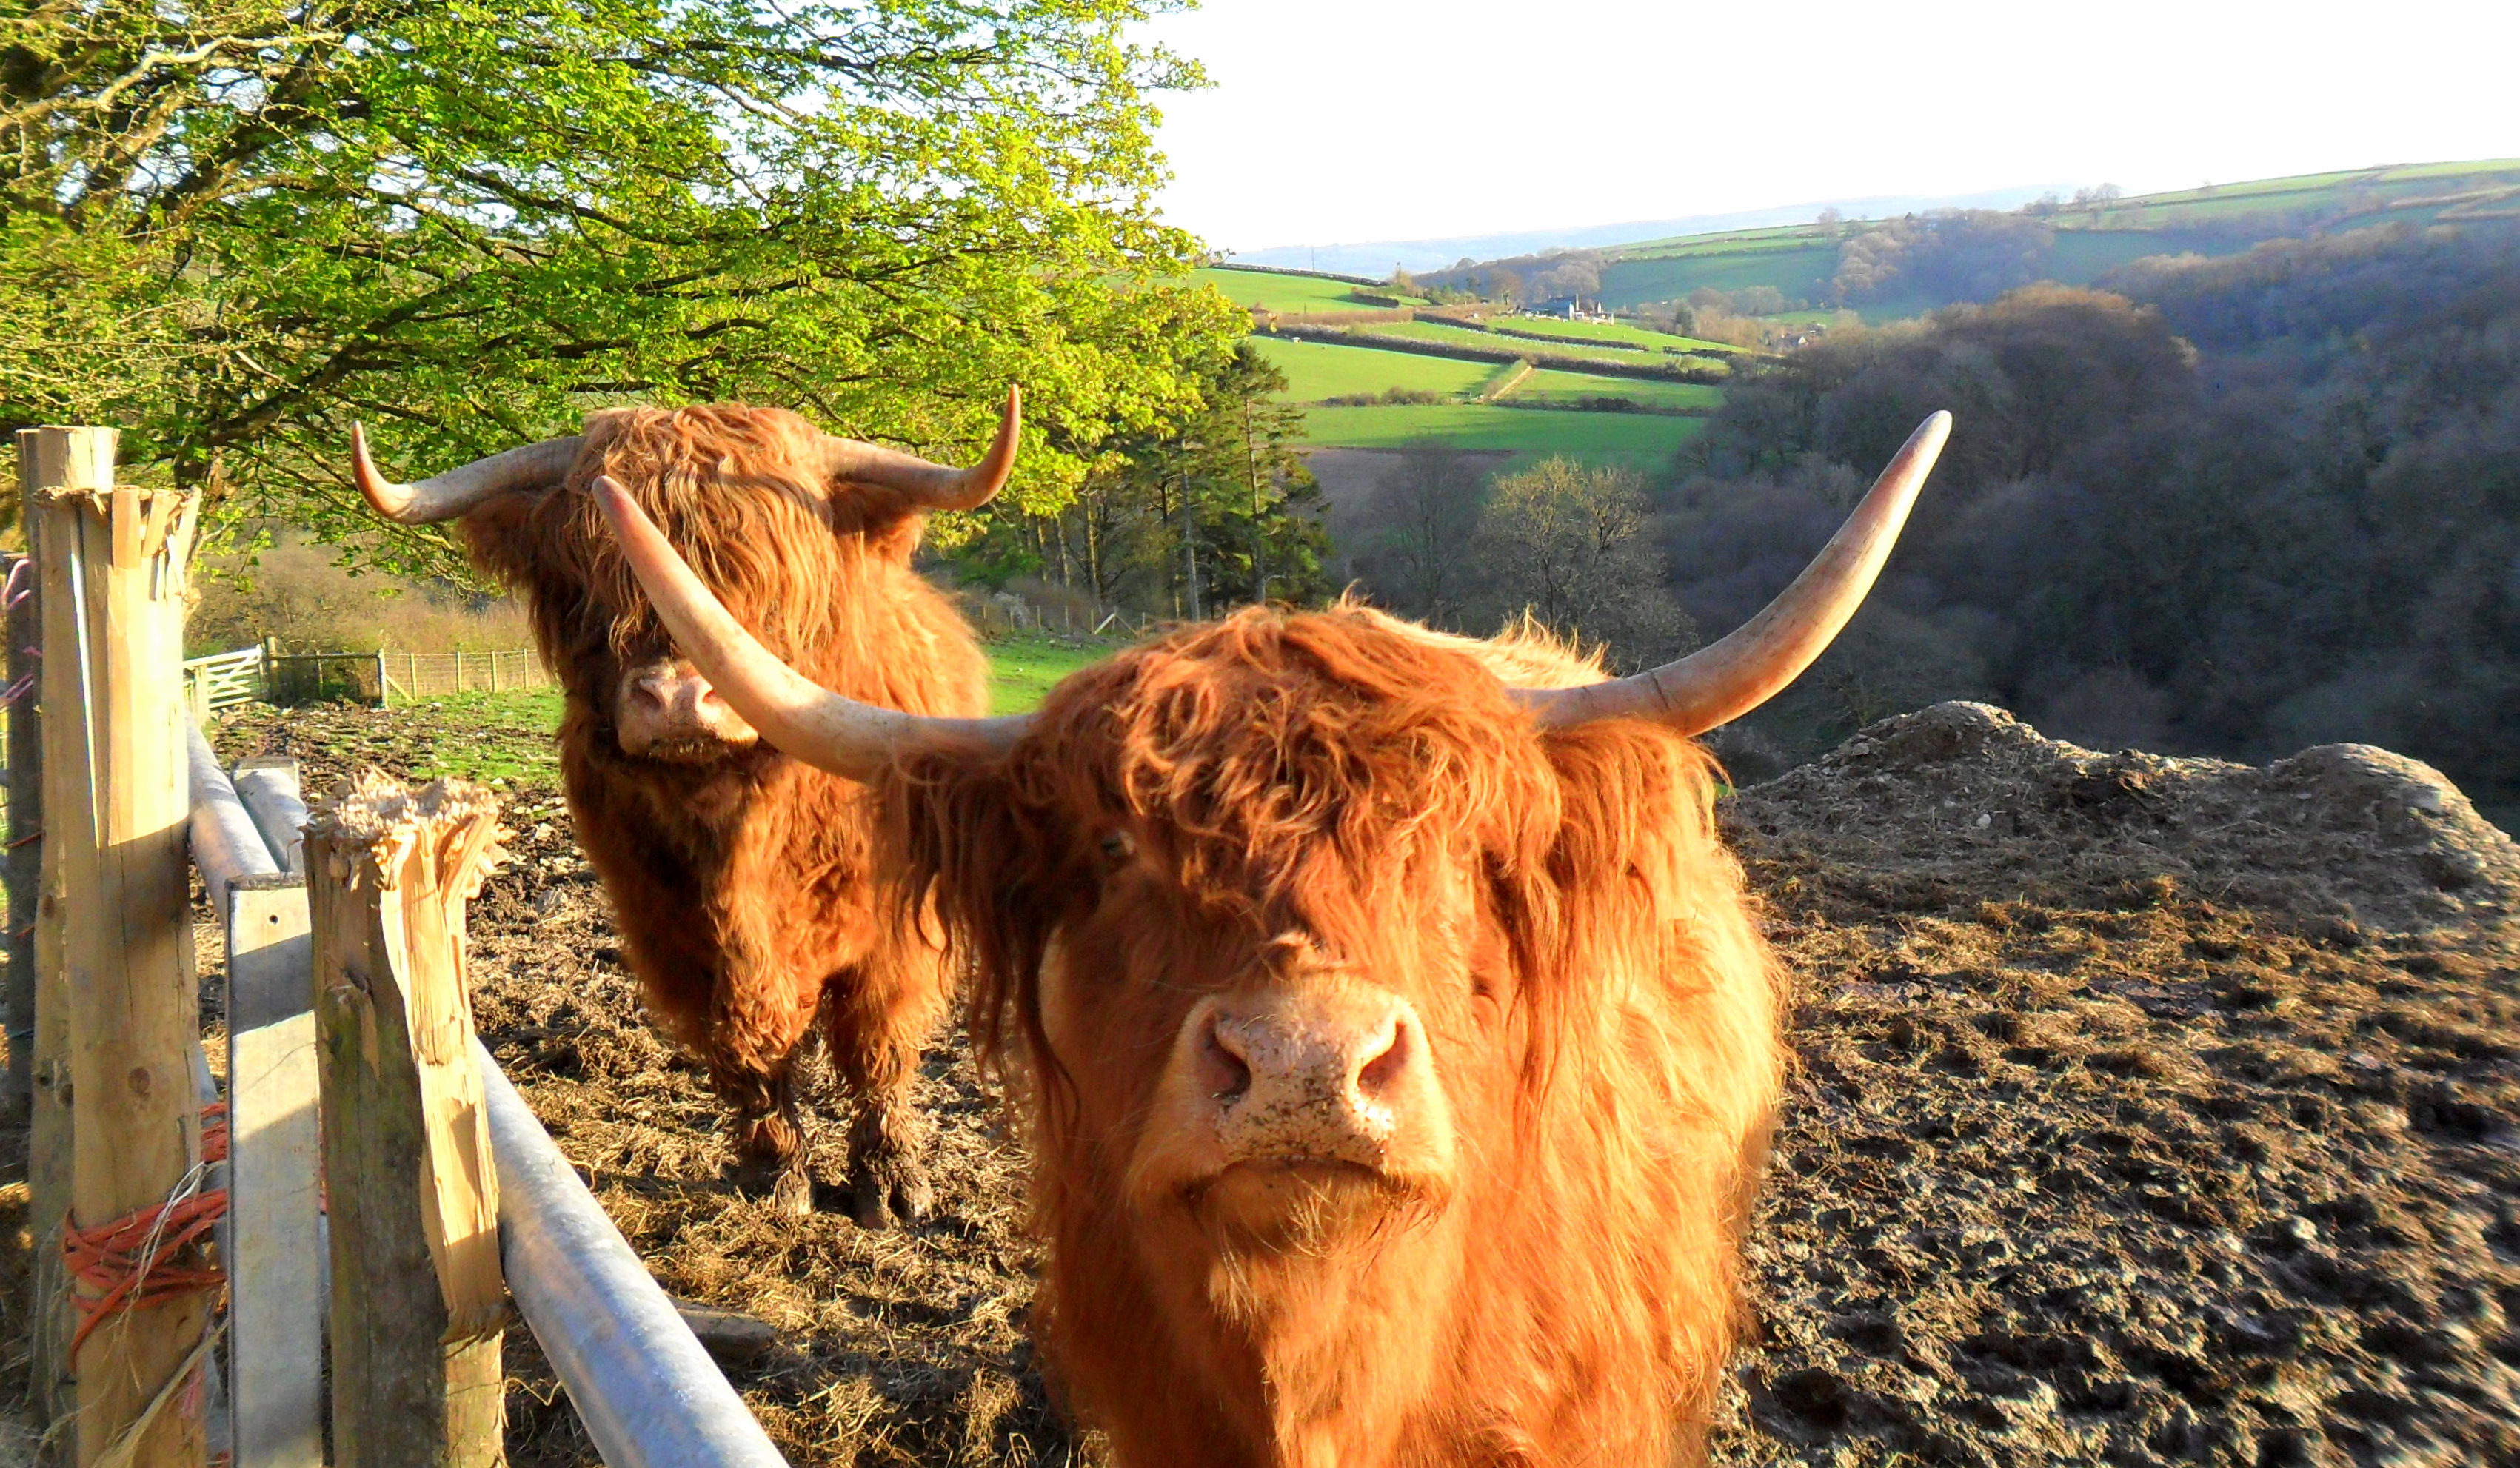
pixel 1352 120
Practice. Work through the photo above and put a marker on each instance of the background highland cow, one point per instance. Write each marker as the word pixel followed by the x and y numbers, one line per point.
pixel 743 880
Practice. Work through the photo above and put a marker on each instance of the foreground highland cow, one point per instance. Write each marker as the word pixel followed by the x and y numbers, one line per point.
pixel 740 879
pixel 1397 1051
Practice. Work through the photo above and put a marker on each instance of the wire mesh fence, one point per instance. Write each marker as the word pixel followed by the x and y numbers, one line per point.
pixel 287 678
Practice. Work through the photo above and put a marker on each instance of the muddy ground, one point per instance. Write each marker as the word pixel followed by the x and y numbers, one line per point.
pixel 2149 1111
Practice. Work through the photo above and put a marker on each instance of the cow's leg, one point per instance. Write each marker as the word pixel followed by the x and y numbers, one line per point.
pixel 769 1135
pixel 752 1053
pixel 876 1017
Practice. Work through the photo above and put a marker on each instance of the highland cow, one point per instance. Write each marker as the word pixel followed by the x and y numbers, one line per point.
pixel 1396 1047
pixel 742 880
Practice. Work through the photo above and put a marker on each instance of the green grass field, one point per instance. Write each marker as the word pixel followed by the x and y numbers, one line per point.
pixel 1562 386
pixel 1318 370
pixel 2408 193
pixel 1800 269
pixel 1633 439
pixel 2091 239
pixel 1490 341
pixel 511 736
pixel 511 733
pixel 1609 332
pixel 1025 667
pixel 1285 292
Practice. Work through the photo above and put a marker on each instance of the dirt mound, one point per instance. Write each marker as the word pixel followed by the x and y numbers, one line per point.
pixel 2151 1111
pixel 1962 800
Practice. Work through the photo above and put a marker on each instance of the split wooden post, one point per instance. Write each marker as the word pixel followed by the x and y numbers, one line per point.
pixel 50 459
pixel 134 1029
pixel 418 1298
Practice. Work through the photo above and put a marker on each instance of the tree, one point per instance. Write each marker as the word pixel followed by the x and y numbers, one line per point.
pixel 235 228
pixel 1568 545
pixel 1948 255
pixel 1209 508
pixel 1417 532
pixel 2271 501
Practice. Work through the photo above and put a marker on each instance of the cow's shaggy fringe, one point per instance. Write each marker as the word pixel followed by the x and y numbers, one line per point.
pixel 1554 904
pixel 743 887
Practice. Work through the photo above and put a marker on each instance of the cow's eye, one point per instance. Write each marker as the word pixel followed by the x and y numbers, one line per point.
pixel 1118 847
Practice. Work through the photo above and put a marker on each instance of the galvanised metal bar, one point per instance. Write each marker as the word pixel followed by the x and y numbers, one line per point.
pixel 268 787
pixel 648 1393
pixel 226 845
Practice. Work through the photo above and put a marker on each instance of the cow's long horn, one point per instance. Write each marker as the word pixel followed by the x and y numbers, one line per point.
pixel 1718 683
pixel 930 486
pixel 445 497
pixel 799 718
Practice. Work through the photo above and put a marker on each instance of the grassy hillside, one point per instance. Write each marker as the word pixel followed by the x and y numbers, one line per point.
pixel 1566 386
pixel 1492 341
pixel 2091 239
pixel 1529 428
pixel 1317 370
pixel 1797 265
pixel 1637 440
pixel 1293 293
pixel 1606 332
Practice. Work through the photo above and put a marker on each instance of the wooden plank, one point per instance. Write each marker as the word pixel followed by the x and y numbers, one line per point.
pixel 276 1262
pixel 134 1018
pixel 417 1295
pixel 50 460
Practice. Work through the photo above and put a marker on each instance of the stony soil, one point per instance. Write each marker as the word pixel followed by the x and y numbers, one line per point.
pixel 2149 1111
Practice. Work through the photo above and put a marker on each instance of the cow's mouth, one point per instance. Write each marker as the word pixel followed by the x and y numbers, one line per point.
pixel 690 751
pixel 1298 1203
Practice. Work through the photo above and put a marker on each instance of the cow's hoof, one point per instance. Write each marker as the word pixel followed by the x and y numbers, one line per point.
pixel 891 1190
pixel 792 1195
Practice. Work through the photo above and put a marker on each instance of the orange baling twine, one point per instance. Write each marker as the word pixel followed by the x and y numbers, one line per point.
pixel 128 1264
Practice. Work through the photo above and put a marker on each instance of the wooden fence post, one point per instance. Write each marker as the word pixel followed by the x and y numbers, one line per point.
pixel 418 1298
pixel 54 459
pixel 134 1028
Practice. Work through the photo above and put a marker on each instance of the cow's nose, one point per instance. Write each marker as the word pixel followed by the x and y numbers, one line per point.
pixel 1316 1078
pixel 663 704
pixel 656 693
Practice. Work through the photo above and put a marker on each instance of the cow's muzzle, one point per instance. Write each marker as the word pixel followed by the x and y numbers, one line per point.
pixel 666 710
pixel 1318 1100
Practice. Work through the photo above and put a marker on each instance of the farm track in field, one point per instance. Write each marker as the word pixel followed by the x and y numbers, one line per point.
pixel 2147 1112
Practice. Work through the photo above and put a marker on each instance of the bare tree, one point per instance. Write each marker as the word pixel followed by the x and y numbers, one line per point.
pixel 1417 532
pixel 1571 545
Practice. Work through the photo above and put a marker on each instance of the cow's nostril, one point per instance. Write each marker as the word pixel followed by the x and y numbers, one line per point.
pixel 1377 1074
pixel 1223 1072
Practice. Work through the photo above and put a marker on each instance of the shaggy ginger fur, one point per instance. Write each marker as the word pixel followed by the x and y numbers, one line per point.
pixel 1600 1011
pixel 742 886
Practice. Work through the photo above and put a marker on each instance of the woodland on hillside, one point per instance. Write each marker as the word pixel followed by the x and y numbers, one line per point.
pixel 2236 506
